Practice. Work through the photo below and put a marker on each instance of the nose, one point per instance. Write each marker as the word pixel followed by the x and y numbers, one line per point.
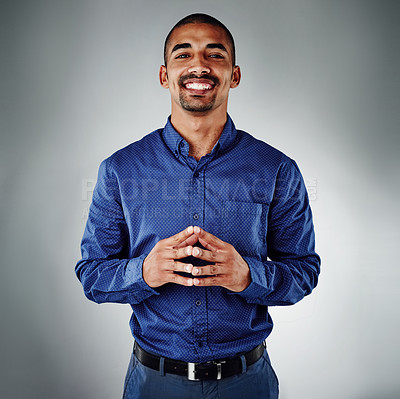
pixel 199 66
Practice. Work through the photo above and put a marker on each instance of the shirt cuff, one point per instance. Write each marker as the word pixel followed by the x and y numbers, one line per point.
pixel 140 289
pixel 258 288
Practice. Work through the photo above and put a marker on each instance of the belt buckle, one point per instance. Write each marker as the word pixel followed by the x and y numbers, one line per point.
pixel 219 368
pixel 192 372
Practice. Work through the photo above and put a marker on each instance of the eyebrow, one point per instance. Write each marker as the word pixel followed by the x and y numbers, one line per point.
pixel 217 45
pixel 180 45
pixel 188 45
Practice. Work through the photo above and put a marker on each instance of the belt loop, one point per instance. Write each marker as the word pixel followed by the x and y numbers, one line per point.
pixel 244 364
pixel 162 360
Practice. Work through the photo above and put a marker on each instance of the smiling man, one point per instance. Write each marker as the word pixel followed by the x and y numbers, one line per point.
pixel 199 227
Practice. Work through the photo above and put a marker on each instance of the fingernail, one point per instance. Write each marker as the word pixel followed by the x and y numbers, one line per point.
pixel 189 250
pixel 196 281
pixel 196 271
pixel 190 282
pixel 190 229
pixel 196 251
pixel 188 268
pixel 197 229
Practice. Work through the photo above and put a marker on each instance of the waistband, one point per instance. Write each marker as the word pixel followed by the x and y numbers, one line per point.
pixel 212 370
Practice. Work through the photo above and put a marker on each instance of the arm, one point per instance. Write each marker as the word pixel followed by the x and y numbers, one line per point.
pixel 293 270
pixel 107 275
pixel 105 271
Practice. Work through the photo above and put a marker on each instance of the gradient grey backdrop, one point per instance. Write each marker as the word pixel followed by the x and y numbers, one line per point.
pixel 79 80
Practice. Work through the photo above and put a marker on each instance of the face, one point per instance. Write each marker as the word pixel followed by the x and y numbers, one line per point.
pixel 199 71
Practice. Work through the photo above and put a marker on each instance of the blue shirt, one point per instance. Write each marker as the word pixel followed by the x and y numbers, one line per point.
pixel 246 193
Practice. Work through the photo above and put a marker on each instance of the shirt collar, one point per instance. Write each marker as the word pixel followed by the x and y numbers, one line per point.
pixel 176 142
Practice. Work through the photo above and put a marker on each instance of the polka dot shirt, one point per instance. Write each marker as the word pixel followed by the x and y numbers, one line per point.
pixel 246 193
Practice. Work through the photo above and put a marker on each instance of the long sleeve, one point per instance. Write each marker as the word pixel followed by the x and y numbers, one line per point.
pixel 245 192
pixel 293 269
pixel 107 275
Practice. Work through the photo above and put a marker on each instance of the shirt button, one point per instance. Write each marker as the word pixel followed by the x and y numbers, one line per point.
pixel 196 174
pixel 195 216
pixel 198 302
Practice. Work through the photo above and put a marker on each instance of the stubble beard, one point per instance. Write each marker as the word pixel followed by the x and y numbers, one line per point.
pixel 191 105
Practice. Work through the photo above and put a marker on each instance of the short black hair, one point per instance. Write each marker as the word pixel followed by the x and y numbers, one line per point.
pixel 199 18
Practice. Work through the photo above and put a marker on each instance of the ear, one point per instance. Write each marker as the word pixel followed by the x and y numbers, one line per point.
pixel 236 75
pixel 163 77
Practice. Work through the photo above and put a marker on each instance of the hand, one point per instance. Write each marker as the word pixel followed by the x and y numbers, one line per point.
pixel 160 264
pixel 230 270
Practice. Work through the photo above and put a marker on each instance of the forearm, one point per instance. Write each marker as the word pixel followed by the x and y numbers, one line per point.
pixel 114 280
pixel 283 282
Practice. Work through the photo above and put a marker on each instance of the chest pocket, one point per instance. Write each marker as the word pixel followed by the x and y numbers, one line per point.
pixel 244 225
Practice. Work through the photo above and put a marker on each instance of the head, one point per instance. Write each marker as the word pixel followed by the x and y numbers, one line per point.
pixel 201 19
pixel 199 64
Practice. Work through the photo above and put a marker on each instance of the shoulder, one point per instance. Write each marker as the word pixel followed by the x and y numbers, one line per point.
pixel 137 152
pixel 260 151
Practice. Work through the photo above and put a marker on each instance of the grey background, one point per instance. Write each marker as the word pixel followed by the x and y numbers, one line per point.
pixel 79 79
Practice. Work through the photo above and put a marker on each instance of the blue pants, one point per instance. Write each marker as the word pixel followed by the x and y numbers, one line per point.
pixel 259 381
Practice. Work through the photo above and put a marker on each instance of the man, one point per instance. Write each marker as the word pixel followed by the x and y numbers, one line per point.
pixel 199 227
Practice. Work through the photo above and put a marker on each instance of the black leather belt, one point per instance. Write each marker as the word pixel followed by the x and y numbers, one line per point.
pixel 213 370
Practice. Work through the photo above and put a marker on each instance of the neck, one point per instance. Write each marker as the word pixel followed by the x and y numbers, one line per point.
pixel 201 130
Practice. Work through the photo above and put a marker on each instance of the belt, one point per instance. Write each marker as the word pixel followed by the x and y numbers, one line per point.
pixel 212 370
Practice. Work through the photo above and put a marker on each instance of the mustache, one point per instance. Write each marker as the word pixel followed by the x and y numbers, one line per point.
pixel 183 78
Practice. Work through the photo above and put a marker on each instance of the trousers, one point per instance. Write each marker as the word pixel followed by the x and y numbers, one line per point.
pixel 257 381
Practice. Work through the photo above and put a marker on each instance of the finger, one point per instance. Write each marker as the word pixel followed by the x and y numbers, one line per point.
pixel 177 239
pixel 178 279
pixel 208 281
pixel 179 253
pixel 209 270
pixel 207 239
pixel 206 245
pixel 176 266
pixel 188 242
pixel 204 254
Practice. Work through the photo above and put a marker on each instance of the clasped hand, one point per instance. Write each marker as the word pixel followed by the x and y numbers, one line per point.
pixel 228 270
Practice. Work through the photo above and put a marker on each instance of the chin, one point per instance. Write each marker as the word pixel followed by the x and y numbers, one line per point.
pixel 194 106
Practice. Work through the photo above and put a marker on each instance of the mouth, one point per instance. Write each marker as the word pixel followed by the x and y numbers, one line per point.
pixel 198 86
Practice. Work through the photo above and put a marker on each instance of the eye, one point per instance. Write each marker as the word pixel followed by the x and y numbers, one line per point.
pixel 183 55
pixel 216 56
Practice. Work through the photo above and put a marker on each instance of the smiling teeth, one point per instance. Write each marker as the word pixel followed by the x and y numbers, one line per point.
pixel 198 86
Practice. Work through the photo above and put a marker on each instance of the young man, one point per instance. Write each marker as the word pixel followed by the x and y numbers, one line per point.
pixel 199 227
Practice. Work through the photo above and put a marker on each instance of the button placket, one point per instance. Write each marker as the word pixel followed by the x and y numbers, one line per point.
pixel 200 320
pixel 200 315
pixel 197 199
